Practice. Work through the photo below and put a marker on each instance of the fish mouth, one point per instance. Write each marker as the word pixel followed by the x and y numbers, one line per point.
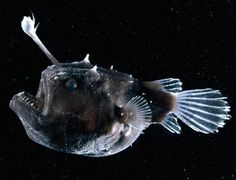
pixel 25 99
pixel 29 111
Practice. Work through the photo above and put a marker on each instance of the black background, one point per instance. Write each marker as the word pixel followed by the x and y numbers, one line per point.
pixel 191 40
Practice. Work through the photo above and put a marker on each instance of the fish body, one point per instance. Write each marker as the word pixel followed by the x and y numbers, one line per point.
pixel 88 110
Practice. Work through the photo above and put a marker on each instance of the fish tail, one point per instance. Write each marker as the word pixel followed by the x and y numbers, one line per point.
pixel 203 110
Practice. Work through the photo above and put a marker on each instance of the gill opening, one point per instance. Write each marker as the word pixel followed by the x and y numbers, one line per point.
pixel 28 26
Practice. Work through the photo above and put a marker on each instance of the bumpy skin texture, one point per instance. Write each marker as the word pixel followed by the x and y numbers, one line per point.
pixel 79 109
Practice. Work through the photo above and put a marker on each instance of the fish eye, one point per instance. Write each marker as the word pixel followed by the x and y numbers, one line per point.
pixel 71 85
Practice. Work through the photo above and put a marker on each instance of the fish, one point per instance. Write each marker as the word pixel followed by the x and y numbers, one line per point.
pixel 84 109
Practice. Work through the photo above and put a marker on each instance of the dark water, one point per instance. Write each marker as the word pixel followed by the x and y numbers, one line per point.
pixel 192 40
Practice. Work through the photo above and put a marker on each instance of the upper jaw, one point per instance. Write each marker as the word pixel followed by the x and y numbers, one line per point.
pixel 23 104
pixel 24 101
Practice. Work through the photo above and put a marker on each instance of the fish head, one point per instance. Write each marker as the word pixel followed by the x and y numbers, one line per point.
pixel 74 110
pixel 80 108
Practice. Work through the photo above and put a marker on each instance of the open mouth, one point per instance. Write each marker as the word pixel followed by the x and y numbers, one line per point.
pixel 27 100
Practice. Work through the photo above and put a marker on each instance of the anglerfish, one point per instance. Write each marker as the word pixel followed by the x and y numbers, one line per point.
pixel 88 110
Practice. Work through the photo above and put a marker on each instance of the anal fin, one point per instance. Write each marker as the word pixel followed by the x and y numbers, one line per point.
pixel 171 124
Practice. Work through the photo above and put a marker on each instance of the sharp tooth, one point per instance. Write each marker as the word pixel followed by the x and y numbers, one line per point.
pixel 21 93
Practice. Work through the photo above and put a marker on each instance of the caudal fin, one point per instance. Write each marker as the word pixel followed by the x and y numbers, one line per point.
pixel 204 110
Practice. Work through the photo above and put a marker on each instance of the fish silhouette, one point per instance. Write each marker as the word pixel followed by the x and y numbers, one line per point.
pixel 88 110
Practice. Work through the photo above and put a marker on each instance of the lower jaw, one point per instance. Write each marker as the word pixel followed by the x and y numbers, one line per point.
pixel 26 100
pixel 29 114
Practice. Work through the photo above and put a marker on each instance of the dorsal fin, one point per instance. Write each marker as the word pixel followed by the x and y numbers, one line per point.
pixel 170 85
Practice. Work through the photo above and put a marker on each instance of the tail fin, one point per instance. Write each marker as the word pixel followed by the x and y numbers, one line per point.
pixel 204 110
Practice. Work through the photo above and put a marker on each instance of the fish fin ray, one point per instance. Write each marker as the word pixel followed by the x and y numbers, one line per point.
pixel 141 112
pixel 171 84
pixel 203 110
pixel 171 124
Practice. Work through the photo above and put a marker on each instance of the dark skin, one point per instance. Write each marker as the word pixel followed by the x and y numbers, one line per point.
pixel 75 101
pixel 82 109
pixel 163 102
